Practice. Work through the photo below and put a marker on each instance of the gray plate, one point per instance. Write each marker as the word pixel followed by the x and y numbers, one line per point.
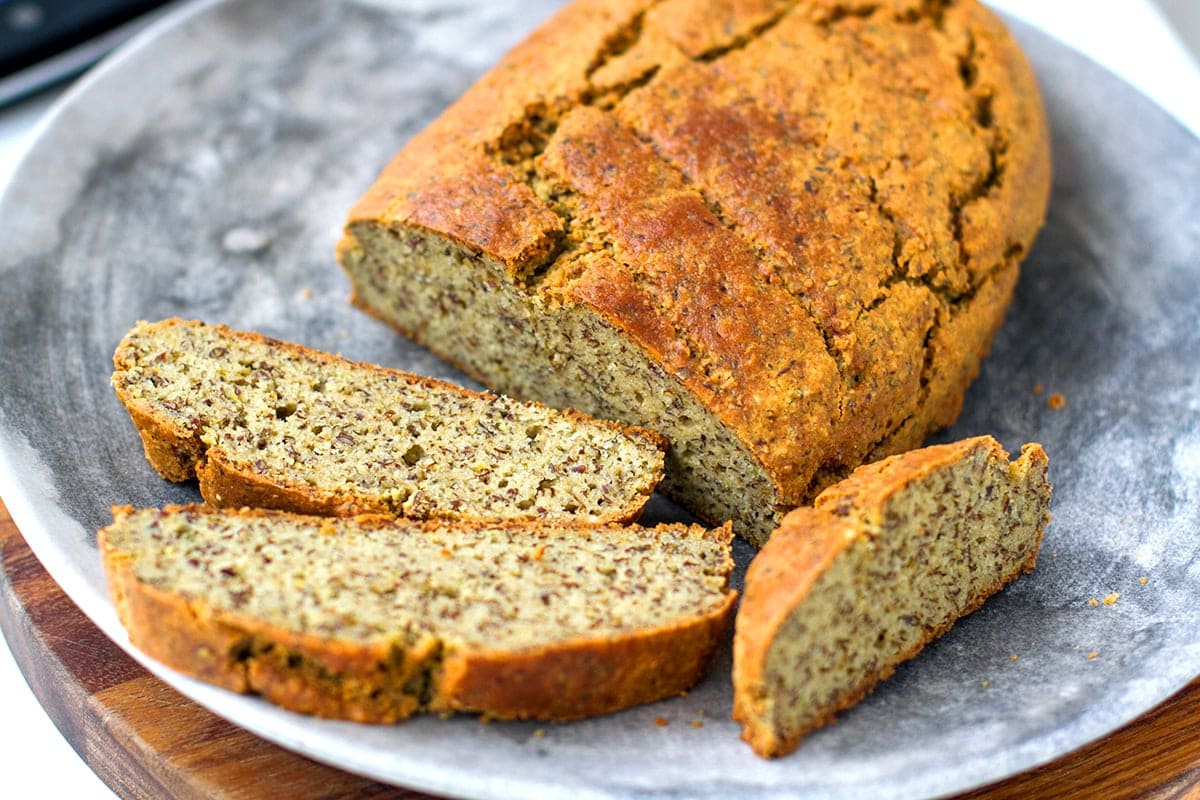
pixel 204 172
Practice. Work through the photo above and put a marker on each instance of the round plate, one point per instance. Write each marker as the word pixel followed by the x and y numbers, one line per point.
pixel 205 171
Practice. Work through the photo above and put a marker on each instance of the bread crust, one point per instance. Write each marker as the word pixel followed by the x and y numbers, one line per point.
pixel 243 656
pixel 585 678
pixel 782 576
pixel 387 681
pixel 762 284
pixel 777 581
pixel 177 451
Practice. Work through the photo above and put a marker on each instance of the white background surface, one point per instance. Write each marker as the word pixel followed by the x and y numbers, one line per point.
pixel 1133 38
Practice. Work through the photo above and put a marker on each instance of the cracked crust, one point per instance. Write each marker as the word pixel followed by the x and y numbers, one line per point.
pixel 804 217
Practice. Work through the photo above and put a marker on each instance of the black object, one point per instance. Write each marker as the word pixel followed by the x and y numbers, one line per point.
pixel 43 42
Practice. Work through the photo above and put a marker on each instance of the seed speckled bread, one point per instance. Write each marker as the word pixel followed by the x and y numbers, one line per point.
pixel 884 563
pixel 374 618
pixel 783 233
pixel 270 424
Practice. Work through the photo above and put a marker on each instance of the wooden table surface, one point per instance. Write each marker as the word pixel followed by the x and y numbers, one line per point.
pixel 145 740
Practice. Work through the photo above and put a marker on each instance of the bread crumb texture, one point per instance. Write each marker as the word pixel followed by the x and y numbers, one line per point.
pixel 367 619
pixel 783 233
pixel 885 562
pixel 271 424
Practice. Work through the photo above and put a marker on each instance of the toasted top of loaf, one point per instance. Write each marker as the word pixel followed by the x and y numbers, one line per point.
pixel 268 423
pixel 810 214
pixel 434 614
pixel 886 561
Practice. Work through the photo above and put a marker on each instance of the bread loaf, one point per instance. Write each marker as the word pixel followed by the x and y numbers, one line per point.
pixel 782 233
pixel 885 562
pixel 270 424
pixel 374 619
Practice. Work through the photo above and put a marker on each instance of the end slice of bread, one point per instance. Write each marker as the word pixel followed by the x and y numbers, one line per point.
pixel 374 619
pixel 267 423
pixel 885 562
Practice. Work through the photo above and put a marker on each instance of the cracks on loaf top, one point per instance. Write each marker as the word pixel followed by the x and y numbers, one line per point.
pixel 619 42
pixel 641 39
pixel 852 221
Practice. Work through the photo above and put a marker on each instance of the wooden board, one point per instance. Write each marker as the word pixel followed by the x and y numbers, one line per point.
pixel 145 740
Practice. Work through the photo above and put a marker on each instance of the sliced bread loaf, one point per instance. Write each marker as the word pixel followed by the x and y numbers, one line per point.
pixel 269 424
pixel 374 618
pixel 783 234
pixel 886 561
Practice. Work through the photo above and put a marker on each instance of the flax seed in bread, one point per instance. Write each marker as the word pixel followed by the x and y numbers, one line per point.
pixel 884 563
pixel 375 618
pixel 270 424
pixel 781 232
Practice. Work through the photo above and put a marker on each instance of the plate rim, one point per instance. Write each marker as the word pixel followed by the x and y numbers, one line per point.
pixel 39 521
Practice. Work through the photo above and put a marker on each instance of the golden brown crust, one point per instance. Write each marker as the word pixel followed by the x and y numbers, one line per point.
pixel 809 540
pixel 246 656
pixel 447 179
pixel 172 450
pixel 810 213
pixel 586 678
pixel 777 580
pixel 383 682
pixel 180 637
pixel 730 334
pixel 865 492
pixel 757 635
pixel 176 451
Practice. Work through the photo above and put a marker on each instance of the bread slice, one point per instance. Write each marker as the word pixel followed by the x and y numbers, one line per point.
pixel 783 234
pixel 269 424
pixel 374 618
pixel 885 562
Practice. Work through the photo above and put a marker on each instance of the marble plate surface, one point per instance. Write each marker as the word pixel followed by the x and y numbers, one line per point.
pixel 204 172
